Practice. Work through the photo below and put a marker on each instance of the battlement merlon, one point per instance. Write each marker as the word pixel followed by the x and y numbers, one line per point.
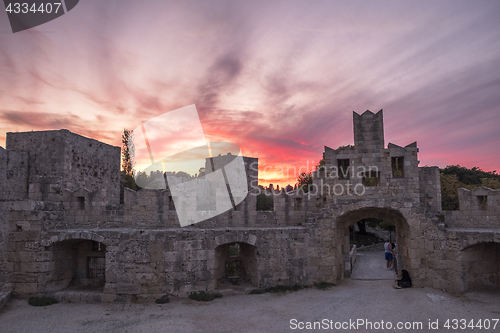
pixel 368 130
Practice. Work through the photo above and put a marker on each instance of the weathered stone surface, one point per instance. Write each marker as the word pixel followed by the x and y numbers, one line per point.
pixel 123 288
pixel 22 277
pixel 62 223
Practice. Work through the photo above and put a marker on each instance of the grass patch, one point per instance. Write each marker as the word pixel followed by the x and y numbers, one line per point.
pixel 41 301
pixel 277 289
pixel 323 285
pixel 203 296
pixel 257 291
pixel 283 289
pixel 162 300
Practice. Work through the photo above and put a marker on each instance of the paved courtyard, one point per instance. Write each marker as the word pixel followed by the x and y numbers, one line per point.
pixel 354 300
pixel 371 265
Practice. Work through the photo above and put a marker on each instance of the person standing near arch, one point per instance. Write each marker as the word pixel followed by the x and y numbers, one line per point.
pixel 389 255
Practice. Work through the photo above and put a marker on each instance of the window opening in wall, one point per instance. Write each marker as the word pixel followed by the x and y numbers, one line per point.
pixel 371 178
pixel 234 250
pixel 398 170
pixel 482 200
pixel 96 267
pixel 236 263
pixel 97 246
pixel 233 269
pixel 298 202
pixel 81 203
pixel 343 168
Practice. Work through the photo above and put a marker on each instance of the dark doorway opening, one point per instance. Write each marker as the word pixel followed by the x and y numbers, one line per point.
pixel 481 267
pixel 236 266
pixel 77 264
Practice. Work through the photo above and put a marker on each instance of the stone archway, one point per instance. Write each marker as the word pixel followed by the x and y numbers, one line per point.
pixel 480 264
pixel 77 235
pixel 77 263
pixel 236 264
pixel 393 216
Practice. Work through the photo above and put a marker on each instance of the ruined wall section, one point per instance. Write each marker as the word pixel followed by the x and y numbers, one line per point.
pixel 74 180
pixel 64 160
pixel 251 165
pixel 13 175
pixel 156 209
pixel 460 259
pixel 94 166
pixel 70 182
pixel 481 266
pixel 434 261
pixel 13 195
pixel 405 181
pixel 46 159
pixel 430 188
pixel 149 209
pixel 24 227
pixel 149 263
pixel 479 208
pixel 386 173
pixel 3 245
pixel 462 246
pixel 153 209
pixel 294 208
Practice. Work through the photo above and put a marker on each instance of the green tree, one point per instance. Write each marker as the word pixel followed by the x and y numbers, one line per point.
pixel 321 165
pixel 128 158
pixel 265 202
pixel 304 181
pixel 128 152
pixel 456 176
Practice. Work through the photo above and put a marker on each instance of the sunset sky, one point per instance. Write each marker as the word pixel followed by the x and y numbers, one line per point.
pixel 278 78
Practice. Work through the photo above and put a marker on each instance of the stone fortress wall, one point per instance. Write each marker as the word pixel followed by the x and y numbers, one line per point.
pixel 62 224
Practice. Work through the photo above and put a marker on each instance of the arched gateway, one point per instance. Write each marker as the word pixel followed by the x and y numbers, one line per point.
pixel 63 215
pixel 390 215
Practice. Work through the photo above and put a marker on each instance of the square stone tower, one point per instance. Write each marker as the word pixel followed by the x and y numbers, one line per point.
pixel 61 159
pixel 368 131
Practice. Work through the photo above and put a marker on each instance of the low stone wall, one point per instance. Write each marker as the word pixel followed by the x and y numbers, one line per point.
pixel 352 255
pixel 374 247
pixel 4 299
pixel 175 261
pixel 350 260
pixel 380 233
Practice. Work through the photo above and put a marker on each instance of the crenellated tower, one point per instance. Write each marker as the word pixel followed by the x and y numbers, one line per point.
pixel 368 130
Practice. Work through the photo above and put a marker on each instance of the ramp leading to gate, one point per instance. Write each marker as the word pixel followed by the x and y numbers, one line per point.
pixel 371 266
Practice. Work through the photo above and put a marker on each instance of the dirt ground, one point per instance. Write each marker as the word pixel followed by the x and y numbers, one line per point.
pixel 352 300
pixel 368 296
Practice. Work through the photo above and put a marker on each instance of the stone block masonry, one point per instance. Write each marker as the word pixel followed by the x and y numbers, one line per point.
pixel 64 232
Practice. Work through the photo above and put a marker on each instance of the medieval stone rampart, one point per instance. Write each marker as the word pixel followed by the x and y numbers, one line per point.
pixel 62 223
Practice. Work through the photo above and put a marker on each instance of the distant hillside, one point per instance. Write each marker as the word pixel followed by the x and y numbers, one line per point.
pixel 455 176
